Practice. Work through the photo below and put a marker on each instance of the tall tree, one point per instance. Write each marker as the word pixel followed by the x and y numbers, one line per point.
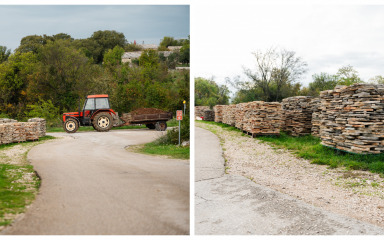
pixel 107 40
pixel 321 82
pixel 4 54
pixel 347 75
pixel 209 93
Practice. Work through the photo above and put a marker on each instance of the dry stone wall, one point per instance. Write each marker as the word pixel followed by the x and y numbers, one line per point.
pixel 209 115
pixel 352 118
pixel 297 115
pixel 13 131
pixel 199 110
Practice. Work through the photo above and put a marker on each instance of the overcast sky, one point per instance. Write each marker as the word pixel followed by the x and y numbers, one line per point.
pixel 141 23
pixel 327 37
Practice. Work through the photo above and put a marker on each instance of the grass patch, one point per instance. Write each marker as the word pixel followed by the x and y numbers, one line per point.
pixel 309 147
pixel 171 150
pixel 18 183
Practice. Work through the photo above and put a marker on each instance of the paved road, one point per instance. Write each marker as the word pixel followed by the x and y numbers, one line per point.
pixel 227 204
pixel 92 185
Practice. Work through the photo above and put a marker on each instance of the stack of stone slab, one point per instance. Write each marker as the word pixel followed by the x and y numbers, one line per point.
pixel 316 117
pixel 353 118
pixel 6 130
pixel 229 115
pixel 199 110
pixel 297 115
pixel 31 131
pixel 240 111
pixel 19 132
pixel 209 115
pixel 219 111
pixel 41 125
pixel 7 120
pixel 262 118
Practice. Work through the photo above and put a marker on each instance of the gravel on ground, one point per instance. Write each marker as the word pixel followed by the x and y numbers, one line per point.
pixel 357 194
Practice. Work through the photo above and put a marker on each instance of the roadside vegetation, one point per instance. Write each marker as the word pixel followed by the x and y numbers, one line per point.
pixel 168 143
pixel 310 148
pixel 18 181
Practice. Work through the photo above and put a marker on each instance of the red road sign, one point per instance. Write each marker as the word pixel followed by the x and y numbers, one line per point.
pixel 179 115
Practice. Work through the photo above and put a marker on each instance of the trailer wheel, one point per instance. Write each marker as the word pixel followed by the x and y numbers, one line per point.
pixel 161 126
pixel 102 122
pixel 150 126
pixel 71 125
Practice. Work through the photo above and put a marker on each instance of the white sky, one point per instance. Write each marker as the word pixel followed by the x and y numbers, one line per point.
pixel 327 37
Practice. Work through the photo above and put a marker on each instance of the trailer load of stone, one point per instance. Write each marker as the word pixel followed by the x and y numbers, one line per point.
pixel 352 118
pixel 297 115
pixel 240 111
pixel 199 111
pixel 41 125
pixel 219 111
pixel 316 117
pixel 209 115
pixel 262 118
pixel 229 114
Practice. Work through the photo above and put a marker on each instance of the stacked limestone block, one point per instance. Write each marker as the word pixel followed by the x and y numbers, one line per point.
pixel 31 131
pixel 240 111
pixel 41 125
pixel 229 115
pixel 297 115
pixel 316 117
pixel 353 118
pixel 7 120
pixel 218 109
pixel 263 118
pixel 19 132
pixel 209 115
pixel 6 130
pixel 199 110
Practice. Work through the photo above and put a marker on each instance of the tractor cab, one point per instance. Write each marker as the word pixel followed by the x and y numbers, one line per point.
pixel 96 112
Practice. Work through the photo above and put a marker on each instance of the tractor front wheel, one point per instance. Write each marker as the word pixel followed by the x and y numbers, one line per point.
pixel 71 125
pixel 161 126
pixel 102 122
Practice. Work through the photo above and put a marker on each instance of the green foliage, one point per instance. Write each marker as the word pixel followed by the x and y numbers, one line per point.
pixel 209 93
pixel 113 56
pixel 172 136
pixel 173 151
pixel 347 76
pixel 4 54
pixel 44 109
pixel 132 47
pixel 322 82
pixel 377 80
pixel 166 42
pixel 106 40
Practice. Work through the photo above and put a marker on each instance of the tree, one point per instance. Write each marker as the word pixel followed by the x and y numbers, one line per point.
pixel 166 42
pixel 377 79
pixel 347 76
pixel 4 54
pixel 113 56
pixel 31 43
pixel 276 69
pixel 107 40
pixel 321 82
pixel 209 93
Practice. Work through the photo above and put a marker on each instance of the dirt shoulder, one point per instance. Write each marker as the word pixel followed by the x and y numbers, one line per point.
pixel 357 194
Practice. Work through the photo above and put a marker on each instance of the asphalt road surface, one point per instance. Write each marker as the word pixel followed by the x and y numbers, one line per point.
pixel 92 185
pixel 227 204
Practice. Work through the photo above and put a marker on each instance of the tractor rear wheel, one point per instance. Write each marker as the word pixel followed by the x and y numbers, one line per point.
pixel 150 126
pixel 102 122
pixel 161 126
pixel 71 125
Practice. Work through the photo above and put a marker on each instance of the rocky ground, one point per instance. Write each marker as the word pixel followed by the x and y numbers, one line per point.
pixel 357 194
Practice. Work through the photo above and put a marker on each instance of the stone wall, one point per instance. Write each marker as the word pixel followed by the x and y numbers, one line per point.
pixel 297 115
pixel 352 118
pixel 199 110
pixel 41 125
pixel 229 115
pixel 316 117
pixel 209 115
pixel 13 131
pixel 218 109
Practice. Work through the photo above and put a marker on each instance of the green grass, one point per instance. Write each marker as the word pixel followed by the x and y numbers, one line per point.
pixel 173 151
pixel 309 147
pixel 16 193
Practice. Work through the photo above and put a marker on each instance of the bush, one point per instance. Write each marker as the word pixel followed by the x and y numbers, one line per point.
pixel 172 136
pixel 45 109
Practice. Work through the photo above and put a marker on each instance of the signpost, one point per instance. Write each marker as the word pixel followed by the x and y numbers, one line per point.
pixel 179 117
pixel 184 106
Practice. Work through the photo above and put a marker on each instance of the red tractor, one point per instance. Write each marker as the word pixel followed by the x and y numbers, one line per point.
pixel 96 113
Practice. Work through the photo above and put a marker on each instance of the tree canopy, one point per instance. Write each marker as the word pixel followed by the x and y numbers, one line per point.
pixel 209 93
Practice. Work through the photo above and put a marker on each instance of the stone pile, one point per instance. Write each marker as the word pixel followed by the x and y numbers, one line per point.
pixel 316 117
pixel 7 120
pixel 229 115
pixel 219 111
pixel 41 125
pixel 297 115
pixel 199 110
pixel 240 111
pixel 352 118
pixel 13 131
pixel 262 118
pixel 209 115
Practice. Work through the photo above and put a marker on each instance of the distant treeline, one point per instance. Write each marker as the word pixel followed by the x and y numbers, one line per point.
pixel 48 75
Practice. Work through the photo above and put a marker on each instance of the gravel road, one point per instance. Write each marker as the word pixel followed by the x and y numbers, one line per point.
pixel 233 204
pixel 92 185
